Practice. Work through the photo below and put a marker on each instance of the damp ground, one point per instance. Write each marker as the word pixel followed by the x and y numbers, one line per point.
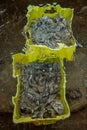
pixel 12 21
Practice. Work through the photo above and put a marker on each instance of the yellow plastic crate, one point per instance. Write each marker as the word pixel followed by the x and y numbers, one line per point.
pixel 34 57
pixel 36 12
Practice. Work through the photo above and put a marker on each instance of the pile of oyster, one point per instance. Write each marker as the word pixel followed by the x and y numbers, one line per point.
pixel 50 31
pixel 40 90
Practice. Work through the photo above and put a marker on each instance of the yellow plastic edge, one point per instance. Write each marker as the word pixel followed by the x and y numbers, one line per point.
pixel 26 59
pixel 63 50
pixel 36 12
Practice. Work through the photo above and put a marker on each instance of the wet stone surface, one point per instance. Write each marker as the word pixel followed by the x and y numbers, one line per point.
pixel 40 93
pixel 50 31
pixel 12 21
pixel 73 94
